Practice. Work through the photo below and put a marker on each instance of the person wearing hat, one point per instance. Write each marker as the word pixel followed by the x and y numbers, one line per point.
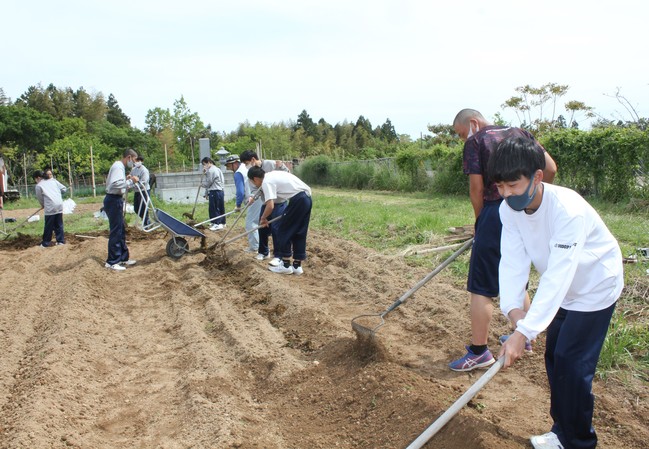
pixel 242 193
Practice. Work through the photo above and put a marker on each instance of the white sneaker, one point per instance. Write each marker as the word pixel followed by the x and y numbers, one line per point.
pixel 217 227
pixel 126 263
pixel 260 256
pixel 116 267
pixel 282 269
pixel 546 441
pixel 275 262
pixel 298 271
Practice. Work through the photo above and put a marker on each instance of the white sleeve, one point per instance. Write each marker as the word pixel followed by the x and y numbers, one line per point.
pixel 514 268
pixel 565 245
pixel 270 192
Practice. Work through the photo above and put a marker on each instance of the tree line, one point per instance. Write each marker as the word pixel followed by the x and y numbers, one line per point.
pixel 47 126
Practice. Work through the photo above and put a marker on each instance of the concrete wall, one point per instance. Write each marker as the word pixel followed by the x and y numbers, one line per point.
pixel 181 187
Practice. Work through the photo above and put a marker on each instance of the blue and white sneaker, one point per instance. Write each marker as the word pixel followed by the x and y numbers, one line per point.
pixel 471 361
pixel 528 344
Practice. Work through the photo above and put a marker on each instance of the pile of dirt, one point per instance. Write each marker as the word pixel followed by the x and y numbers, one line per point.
pixel 214 350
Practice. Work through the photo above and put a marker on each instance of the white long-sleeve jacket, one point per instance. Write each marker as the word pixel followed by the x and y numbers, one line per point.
pixel 578 258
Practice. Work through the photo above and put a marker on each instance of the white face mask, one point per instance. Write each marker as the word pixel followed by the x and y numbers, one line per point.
pixel 471 131
pixel 129 164
pixel 137 164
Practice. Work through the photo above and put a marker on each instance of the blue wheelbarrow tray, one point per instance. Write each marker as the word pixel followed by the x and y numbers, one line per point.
pixel 178 245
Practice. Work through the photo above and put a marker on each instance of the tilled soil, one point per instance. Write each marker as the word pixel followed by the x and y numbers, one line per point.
pixel 215 351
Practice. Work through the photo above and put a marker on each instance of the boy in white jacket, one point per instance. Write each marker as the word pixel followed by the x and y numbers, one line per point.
pixel 580 264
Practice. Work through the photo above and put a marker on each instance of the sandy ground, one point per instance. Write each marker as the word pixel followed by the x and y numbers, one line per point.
pixel 215 351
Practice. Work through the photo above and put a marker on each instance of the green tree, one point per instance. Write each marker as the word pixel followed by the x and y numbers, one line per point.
pixel 157 120
pixel 387 132
pixel 305 123
pixel 27 128
pixel 187 127
pixel 4 99
pixel 115 115
pixel 535 99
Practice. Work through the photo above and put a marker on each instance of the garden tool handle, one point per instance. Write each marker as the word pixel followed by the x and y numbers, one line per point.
pixel 457 405
pixel 428 277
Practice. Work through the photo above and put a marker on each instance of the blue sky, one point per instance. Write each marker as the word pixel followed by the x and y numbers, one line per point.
pixel 414 62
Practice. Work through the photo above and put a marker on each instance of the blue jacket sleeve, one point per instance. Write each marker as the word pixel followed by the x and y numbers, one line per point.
pixel 240 188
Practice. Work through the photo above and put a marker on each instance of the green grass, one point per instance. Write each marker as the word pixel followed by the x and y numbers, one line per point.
pixel 387 221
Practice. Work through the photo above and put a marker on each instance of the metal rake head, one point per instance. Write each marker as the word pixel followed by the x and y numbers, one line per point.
pixel 369 327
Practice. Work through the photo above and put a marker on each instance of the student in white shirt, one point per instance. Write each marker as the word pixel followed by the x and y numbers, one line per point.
pixel 580 264
pixel 292 229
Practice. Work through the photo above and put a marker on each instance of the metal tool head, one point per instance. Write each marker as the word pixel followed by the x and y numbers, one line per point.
pixel 367 325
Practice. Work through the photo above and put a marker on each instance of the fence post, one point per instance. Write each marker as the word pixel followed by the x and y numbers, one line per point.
pixel 25 173
pixel 70 176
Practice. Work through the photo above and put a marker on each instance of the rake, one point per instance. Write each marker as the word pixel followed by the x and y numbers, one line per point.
pixel 374 321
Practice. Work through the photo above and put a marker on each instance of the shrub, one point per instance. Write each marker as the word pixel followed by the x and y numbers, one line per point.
pixel 315 170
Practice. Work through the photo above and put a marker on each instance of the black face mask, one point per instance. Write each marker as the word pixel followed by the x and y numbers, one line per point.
pixel 520 202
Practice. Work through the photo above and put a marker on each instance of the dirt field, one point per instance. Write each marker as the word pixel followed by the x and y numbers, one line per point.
pixel 206 352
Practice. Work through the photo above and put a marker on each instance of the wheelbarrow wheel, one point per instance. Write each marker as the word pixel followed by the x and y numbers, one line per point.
pixel 177 247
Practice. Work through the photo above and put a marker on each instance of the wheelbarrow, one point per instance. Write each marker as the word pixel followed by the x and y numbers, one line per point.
pixel 367 325
pixel 178 245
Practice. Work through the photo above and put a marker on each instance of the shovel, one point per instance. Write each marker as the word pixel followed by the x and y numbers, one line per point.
pixel 369 330
pixel 215 218
pixel 188 215
pixel 22 224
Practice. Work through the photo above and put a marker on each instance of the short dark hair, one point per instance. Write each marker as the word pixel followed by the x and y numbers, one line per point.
pixel 140 158
pixel 247 156
pixel 129 152
pixel 515 157
pixel 256 172
pixel 206 159
pixel 465 115
pixel 37 174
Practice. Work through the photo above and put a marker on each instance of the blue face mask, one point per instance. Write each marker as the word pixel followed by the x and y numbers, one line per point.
pixel 520 202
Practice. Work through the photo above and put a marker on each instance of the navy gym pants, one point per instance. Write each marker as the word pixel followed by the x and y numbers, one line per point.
pixel 574 341
pixel 270 230
pixel 216 205
pixel 114 208
pixel 292 229
pixel 53 223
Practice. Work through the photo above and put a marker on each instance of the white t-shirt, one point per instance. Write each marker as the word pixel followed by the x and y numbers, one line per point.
pixel 3 171
pixel 579 260
pixel 281 186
